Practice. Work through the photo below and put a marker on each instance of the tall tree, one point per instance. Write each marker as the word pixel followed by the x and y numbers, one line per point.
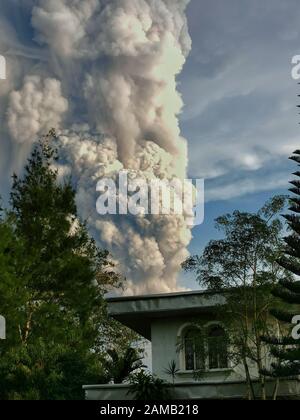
pixel 53 279
pixel 242 267
pixel 286 348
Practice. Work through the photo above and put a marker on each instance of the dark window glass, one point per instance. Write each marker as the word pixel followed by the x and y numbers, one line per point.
pixel 217 348
pixel 193 349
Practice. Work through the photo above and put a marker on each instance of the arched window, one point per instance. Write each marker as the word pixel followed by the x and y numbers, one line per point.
pixel 193 349
pixel 217 348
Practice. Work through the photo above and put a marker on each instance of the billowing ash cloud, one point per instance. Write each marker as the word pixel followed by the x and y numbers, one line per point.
pixel 36 108
pixel 109 86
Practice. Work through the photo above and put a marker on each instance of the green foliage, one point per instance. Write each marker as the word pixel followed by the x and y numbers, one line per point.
pixel 242 268
pixel 285 349
pixel 251 244
pixel 53 279
pixel 146 387
pixel 121 364
pixel 45 370
pixel 172 370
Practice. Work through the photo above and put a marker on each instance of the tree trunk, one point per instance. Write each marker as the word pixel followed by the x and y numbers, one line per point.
pixel 257 334
pixel 276 389
pixel 262 379
pixel 249 380
pixel 27 328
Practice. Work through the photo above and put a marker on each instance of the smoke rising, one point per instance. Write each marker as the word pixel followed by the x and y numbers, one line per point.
pixel 36 108
pixel 109 86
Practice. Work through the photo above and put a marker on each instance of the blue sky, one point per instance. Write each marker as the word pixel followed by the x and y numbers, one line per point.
pixel 240 116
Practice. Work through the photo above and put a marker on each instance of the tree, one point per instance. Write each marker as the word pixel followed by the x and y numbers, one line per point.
pixel 172 370
pixel 12 291
pixel 242 267
pixel 146 387
pixel 53 279
pixel 121 365
pixel 286 349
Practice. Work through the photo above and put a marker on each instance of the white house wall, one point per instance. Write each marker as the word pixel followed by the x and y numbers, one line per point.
pixel 165 348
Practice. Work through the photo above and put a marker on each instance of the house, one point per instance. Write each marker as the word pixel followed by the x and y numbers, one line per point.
pixel 170 319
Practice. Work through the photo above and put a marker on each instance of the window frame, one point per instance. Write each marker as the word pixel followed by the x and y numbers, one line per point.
pixel 203 329
pixel 181 339
pixel 184 338
pixel 209 327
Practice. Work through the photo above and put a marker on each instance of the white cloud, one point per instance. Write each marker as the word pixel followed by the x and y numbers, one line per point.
pixel 248 186
pixel 240 98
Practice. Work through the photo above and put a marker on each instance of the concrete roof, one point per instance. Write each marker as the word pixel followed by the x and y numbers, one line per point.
pixel 138 312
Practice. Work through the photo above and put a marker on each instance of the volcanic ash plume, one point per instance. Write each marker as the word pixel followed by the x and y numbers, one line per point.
pixel 116 62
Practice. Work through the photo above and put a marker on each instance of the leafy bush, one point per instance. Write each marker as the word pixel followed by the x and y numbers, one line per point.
pixel 121 364
pixel 146 387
